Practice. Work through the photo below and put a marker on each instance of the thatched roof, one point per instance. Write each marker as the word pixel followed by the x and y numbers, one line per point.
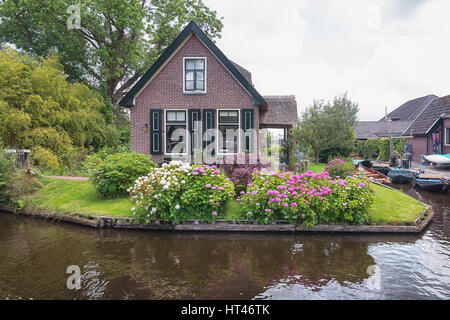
pixel 281 112
pixel 247 74
pixel 380 129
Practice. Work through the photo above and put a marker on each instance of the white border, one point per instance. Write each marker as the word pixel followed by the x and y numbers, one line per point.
pixel 205 76
pixel 187 133
pixel 445 136
pixel 239 131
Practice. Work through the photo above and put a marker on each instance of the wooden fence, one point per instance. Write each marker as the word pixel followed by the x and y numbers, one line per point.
pixel 22 157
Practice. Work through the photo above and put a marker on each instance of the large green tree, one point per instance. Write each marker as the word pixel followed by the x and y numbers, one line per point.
pixel 328 126
pixel 40 110
pixel 117 40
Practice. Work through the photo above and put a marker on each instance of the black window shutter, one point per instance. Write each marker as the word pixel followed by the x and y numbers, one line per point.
pixel 156 131
pixel 195 129
pixel 247 125
pixel 209 117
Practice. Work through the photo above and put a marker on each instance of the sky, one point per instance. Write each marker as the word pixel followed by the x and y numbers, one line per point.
pixel 382 53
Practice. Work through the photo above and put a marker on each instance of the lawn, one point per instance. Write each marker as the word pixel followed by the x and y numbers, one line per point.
pixel 390 207
pixel 317 167
pixel 80 197
pixel 394 207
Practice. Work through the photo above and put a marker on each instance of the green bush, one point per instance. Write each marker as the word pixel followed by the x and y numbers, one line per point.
pixel 93 160
pixel 21 184
pixel 385 149
pixel 118 172
pixel 6 170
pixel 368 149
pixel 179 191
pixel 44 158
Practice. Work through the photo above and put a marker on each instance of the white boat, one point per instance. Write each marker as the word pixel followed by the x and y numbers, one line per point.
pixel 438 158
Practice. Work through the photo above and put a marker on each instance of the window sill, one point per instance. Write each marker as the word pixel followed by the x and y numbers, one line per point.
pixel 195 92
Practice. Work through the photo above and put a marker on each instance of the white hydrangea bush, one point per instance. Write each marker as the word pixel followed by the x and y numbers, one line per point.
pixel 178 191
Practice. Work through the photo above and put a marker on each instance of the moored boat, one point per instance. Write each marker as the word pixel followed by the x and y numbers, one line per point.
pixel 401 176
pixel 372 174
pixel 430 182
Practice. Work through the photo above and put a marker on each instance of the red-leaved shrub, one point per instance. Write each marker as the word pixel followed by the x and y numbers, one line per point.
pixel 239 168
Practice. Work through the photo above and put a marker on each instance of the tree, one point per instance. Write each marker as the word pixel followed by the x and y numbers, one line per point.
pixel 117 40
pixel 328 126
pixel 42 111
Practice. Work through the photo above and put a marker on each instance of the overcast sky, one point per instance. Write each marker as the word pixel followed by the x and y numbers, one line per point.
pixel 382 52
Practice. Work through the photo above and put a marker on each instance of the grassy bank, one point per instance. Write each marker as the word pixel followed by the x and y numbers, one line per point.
pixel 390 207
pixel 78 197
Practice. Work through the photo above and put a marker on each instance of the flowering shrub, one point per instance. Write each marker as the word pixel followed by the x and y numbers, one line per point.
pixel 179 191
pixel 239 167
pixel 306 199
pixel 338 168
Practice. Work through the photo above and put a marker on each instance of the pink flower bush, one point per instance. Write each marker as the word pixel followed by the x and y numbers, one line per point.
pixel 307 199
pixel 339 169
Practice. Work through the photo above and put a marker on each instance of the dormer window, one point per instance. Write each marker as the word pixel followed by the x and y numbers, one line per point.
pixel 194 75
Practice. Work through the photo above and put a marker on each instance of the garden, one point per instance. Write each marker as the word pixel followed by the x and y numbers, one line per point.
pixel 130 185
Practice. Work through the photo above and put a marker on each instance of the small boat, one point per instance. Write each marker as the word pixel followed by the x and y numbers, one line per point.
pixel 401 176
pixel 382 167
pixel 430 182
pixel 438 158
pixel 372 174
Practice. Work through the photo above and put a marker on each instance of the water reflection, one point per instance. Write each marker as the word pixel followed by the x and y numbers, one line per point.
pixel 34 256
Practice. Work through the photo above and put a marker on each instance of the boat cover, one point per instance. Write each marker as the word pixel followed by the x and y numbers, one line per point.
pixel 438 158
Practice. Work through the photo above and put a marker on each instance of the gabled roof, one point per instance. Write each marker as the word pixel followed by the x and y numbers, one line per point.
pixel 410 110
pixel 281 113
pixel 380 129
pixel 192 27
pixel 438 109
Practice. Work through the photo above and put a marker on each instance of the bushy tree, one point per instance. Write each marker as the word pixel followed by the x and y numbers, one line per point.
pixel 40 110
pixel 117 40
pixel 328 126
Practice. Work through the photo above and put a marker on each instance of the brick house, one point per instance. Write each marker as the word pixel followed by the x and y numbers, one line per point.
pixel 424 122
pixel 194 100
pixel 430 130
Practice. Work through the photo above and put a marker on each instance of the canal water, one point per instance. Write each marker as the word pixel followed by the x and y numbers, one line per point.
pixel 35 255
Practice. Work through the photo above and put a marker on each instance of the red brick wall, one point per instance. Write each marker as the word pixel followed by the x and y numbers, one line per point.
pixel 419 145
pixel 165 91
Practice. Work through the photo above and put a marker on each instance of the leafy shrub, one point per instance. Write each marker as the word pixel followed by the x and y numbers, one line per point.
pixel 239 167
pixel 339 169
pixel 368 149
pixel 114 175
pixel 177 192
pixel 6 170
pixel 93 160
pixel 307 199
pixel 385 149
pixel 22 184
pixel 44 158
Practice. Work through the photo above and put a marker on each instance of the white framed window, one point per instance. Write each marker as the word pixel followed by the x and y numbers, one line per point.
pixel 176 132
pixel 194 75
pixel 447 136
pixel 228 126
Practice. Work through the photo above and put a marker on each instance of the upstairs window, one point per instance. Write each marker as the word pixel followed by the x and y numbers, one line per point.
pixel 195 75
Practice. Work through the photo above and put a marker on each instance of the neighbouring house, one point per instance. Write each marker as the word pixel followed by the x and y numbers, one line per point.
pixel 424 122
pixel 193 96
